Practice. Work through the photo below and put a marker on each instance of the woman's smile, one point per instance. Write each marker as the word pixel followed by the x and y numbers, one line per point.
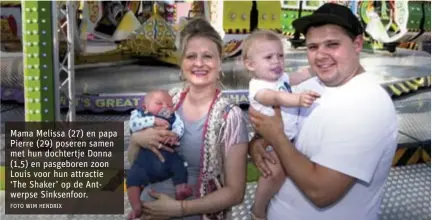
pixel 200 72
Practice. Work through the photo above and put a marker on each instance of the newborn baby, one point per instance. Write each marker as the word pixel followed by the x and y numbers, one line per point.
pixel 157 111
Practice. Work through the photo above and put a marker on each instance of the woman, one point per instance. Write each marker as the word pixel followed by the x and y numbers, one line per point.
pixel 215 140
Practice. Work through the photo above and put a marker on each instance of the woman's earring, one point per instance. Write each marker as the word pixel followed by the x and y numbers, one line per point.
pixel 222 75
pixel 181 76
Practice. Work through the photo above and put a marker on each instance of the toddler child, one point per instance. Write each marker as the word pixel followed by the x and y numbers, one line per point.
pixel 263 57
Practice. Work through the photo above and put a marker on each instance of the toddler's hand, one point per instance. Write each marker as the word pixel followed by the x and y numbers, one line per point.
pixel 161 122
pixel 307 98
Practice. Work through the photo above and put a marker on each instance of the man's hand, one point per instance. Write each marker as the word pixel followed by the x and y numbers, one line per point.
pixel 269 127
pixel 260 156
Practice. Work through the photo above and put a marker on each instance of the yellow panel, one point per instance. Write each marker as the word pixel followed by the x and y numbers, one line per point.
pixel 420 81
pixel 236 14
pixel 269 14
pixel 415 157
pixel 11 3
pixel 134 6
pixel 426 157
pixel 398 155
pixel 411 85
pixel 395 90
pixel 403 87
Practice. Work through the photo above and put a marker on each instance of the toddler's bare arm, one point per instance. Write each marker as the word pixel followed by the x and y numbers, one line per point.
pixel 286 99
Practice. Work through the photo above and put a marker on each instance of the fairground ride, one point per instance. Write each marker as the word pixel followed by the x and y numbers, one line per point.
pixel 388 24
pixel 97 32
pixel 89 57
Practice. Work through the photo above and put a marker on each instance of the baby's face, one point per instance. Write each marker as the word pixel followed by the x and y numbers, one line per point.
pixel 159 101
pixel 266 59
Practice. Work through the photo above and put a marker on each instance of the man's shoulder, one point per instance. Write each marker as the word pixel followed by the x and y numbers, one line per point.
pixel 312 83
pixel 364 97
pixel 367 86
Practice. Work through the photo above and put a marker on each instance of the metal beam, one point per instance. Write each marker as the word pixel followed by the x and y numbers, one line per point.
pixel 66 62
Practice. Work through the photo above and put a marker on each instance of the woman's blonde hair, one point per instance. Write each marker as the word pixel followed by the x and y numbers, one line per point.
pixel 258 35
pixel 199 27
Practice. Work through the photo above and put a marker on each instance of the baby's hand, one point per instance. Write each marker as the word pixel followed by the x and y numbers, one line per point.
pixel 172 141
pixel 161 122
pixel 307 98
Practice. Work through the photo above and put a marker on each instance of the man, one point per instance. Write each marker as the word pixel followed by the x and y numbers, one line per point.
pixel 347 139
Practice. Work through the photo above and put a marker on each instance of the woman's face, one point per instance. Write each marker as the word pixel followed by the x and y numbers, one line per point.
pixel 201 65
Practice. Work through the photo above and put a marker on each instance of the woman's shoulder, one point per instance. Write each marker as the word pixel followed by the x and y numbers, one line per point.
pixel 175 94
pixel 175 91
pixel 231 110
pixel 235 125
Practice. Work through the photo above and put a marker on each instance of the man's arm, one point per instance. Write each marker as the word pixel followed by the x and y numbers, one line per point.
pixel 321 185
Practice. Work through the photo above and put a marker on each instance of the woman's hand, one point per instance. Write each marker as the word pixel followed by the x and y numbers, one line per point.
pixel 260 156
pixel 164 207
pixel 152 139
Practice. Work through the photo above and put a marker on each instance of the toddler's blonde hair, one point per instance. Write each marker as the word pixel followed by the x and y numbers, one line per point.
pixel 258 35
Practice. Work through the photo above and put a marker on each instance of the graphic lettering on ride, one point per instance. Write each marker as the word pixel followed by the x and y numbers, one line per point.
pixel 64 168
pixel 119 103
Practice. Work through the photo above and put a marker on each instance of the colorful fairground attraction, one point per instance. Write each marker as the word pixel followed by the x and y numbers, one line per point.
pixel 95 61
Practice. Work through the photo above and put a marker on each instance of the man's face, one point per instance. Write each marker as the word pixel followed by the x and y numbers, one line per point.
pixel 332 54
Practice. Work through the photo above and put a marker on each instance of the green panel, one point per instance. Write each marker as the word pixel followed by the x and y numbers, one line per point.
pixel 288 16
pixel 313 3
pixel 290 3
pixel 427 26
pixel 415 15
pixel 38 61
